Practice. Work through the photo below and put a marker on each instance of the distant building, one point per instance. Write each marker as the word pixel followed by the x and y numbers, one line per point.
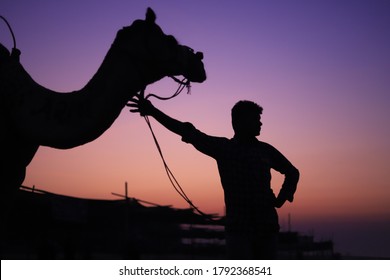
pixel 43 225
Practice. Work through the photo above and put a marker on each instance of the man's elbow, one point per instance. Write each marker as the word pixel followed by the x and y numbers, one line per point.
pixel 294 178
pixel 295 174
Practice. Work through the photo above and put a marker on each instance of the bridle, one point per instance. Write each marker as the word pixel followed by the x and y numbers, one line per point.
pixel 184 83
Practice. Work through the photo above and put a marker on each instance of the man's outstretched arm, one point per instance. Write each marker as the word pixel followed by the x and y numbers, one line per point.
pixel 146 108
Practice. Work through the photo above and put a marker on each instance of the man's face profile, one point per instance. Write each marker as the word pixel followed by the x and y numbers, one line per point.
pixel 248 125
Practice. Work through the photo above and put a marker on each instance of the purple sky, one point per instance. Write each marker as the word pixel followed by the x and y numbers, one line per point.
pixel 320 69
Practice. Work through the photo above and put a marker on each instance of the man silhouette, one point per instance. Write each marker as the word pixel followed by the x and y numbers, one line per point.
pixel 244 165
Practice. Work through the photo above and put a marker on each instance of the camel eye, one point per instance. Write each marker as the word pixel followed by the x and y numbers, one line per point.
pixel 189 49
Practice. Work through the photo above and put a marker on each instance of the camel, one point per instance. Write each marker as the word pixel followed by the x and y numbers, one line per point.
pixel 33 116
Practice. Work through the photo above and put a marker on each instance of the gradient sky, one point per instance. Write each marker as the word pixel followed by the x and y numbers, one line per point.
pixel 320 69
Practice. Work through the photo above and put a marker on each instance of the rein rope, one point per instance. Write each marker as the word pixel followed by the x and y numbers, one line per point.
pixel 10 30
pixel 176 185
pixel 15 52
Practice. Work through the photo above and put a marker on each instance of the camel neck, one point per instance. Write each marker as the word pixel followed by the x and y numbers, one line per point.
pixel 119 74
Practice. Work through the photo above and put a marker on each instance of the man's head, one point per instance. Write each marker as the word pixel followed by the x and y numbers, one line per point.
pixel 246 118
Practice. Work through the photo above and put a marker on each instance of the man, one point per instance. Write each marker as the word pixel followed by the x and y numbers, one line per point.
pixel 244 165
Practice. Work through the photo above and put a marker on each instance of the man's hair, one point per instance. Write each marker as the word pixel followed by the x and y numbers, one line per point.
pixel 245 108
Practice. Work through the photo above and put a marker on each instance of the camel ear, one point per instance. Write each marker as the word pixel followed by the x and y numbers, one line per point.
pixel 150 16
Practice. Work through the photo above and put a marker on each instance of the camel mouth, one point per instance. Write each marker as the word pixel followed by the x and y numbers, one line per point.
pixel 199 76
pixel 194 69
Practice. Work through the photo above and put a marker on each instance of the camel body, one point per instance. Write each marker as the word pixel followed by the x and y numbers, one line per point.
pixel 32 115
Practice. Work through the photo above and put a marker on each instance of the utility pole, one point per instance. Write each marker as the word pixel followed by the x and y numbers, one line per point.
pixel 126 219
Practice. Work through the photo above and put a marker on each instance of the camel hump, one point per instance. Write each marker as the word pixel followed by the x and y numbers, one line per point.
pixel 4 55
pixel 4 52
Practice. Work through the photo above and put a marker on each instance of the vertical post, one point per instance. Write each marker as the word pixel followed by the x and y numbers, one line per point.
pixel 126 220
pixel 127 197
pixel 289 222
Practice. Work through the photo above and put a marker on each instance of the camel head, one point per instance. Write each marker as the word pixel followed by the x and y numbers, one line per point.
pixel 158 54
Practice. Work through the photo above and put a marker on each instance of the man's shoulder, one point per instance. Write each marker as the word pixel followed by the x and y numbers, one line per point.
pixel 266 146
pixel 193 134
